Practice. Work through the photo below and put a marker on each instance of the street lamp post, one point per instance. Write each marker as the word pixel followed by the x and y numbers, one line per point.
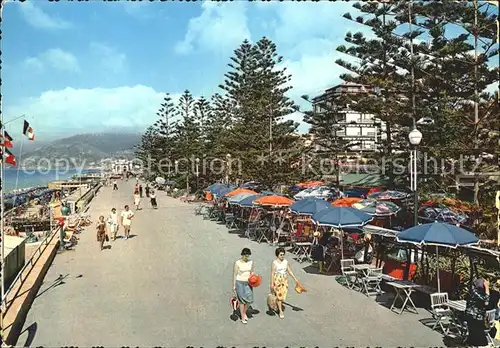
pixel 415 137
pixel 228 161
pixel 197 173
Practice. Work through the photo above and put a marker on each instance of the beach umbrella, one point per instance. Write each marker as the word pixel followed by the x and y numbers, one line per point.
pixel 248 201
pixel 442 214
pixel 341 217
pixel 238 191
pixel 159 180
pixel 438 234
pixel 239 197
pixel 377 208
pixel 309 206
pixel 222 190
pixel 388 195
pixel 275 201
pixel 213 186
pixel 310 184
pixel 346 202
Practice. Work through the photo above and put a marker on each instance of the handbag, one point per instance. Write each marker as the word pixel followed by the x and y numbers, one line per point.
pixel 272 302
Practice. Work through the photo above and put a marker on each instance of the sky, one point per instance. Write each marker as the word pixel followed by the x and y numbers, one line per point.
pixel 80 67
pixel 75 67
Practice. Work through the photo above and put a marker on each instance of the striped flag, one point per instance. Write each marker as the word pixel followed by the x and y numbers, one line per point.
pixel 28 131
pixel 8 157
pixel 7 140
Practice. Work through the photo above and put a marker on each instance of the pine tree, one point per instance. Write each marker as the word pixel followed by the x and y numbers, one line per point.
pixel 391 98
pixel 256 90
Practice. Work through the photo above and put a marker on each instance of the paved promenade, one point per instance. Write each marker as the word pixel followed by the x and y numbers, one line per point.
pixel 170 285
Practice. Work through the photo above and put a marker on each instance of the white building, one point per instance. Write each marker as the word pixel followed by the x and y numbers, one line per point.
pixel 363 131
pixel 121 166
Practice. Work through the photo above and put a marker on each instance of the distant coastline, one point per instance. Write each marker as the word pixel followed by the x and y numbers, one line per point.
pixel 24 178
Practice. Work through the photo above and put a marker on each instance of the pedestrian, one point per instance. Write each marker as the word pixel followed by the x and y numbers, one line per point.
pixel 115 185
pixel 140 190
pixel 243 269
pixel 113 223
pixel 102 236
pixel 137 199
pixel 280 269
pixel 126 220
pixel 147 190
pixel 475 311
pixel 152 196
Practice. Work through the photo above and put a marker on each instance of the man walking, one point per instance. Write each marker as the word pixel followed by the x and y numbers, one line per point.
pixel 126 221
pixel 113 223
pixel 140 190
pixel 115 185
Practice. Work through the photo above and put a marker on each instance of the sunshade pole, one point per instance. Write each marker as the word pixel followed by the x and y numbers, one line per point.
pixel 437 268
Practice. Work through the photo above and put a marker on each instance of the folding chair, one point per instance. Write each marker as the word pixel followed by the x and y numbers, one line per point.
pixel 230 220
pixel 347 268
pixel 371 283
pixel 332 255
pixel 490 321
pixel 253 223
pixel 440 310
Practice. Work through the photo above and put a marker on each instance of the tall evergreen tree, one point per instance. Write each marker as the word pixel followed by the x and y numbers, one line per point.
pixel 257 90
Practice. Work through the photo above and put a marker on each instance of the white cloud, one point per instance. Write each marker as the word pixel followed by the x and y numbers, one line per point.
pixel 37 18
pixel 111 60
pixel 55 58
pixel 220 28
pixel 89 110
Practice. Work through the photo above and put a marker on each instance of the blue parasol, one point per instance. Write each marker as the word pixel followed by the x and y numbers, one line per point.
pixel 341 217
pixel 309 206
pixel 438 234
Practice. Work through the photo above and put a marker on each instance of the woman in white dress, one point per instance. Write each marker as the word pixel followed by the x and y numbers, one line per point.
pixel 137 199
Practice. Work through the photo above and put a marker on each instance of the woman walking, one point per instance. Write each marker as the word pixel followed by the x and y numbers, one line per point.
pixel 113 223
pixel 101 232
pixel 280 269
pixel 137 199
pixel 152 197
pixel 243 269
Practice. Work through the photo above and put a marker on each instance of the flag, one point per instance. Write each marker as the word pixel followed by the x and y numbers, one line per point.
pixel 8 157
pixel 28 131
pixel 7 140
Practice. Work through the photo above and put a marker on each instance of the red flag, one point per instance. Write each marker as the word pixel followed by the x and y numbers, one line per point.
pixel 7 142
pixel 28 131
pixel 9 157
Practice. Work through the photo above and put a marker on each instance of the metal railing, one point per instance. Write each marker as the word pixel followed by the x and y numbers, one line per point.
pixel 22 274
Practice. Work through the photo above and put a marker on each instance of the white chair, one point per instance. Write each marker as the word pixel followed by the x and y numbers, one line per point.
pixel 371 283
pixel 347 268
pixel 490 320
pixel 440 310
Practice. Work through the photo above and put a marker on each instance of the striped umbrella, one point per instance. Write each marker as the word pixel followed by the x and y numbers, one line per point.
pixel 388 195
pixel 377 208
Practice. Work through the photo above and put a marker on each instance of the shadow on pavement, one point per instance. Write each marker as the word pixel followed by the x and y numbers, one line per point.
pixel 235 316
pixel 32 329
pixel 132 236
pixel 59 281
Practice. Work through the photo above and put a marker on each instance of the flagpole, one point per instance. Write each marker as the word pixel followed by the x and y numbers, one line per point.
pixel 18 168
pixel 2 206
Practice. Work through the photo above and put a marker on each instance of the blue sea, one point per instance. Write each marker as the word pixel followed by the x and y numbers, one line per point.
pixel 32 178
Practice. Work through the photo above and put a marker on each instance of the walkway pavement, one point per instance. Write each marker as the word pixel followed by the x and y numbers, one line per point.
pixel 170 286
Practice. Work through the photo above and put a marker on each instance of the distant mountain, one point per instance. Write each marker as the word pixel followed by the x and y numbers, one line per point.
pixel 91 148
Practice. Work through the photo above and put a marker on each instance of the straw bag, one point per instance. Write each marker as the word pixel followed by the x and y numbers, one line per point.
pixel 272 302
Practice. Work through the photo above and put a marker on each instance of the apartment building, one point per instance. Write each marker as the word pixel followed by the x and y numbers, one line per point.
pixel 363 131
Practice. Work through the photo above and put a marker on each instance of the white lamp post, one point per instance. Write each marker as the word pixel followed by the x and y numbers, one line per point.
pixel 197 173
pixel 228 161
pixel 415 137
